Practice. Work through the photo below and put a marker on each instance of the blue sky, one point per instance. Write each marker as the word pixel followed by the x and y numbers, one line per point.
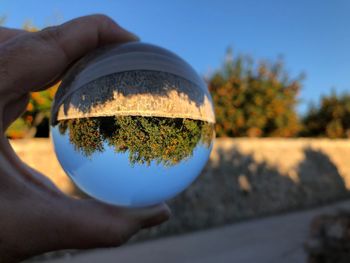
pixel 313 36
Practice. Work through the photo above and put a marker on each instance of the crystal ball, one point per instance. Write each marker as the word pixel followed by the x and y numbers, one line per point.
pixel 132 124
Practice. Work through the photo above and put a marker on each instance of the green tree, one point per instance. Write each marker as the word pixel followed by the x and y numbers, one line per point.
pixel 146 139
pixel 254 98
pixel 85 135
pixel 34 122
pixel 331 118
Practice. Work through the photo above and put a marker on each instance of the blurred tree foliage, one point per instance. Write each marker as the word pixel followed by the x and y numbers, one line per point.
pixel 331 118
pixel 254 99
pixel 35 121
pixel 163 140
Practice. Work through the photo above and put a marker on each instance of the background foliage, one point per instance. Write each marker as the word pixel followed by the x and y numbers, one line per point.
pixel 331 118
pixel 254 98
pixel 35 120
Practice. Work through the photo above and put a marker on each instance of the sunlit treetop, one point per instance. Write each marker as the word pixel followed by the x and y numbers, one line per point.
pixel 254 99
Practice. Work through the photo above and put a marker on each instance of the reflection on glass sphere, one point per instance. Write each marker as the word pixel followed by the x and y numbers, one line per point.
pixel 132 125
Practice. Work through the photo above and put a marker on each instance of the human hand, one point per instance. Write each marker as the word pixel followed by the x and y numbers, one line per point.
pixel 35 216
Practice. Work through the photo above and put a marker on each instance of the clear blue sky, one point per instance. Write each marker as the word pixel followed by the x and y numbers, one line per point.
pixel 312 35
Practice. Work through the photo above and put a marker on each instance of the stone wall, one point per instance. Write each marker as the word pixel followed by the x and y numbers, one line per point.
pixel 244 178
pixel 39 154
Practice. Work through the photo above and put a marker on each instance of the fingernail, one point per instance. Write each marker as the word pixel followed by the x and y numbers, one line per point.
pixel 163 215
pixel 167 210
pixel 132 35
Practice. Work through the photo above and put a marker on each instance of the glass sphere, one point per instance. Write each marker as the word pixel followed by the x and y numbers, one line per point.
pixel 132 124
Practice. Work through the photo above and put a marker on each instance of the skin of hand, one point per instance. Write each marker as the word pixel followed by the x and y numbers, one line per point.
pixel 35 216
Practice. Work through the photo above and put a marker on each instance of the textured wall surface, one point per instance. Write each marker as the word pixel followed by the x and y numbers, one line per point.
pixel 137 93
pixel 244 178
pixel 39 154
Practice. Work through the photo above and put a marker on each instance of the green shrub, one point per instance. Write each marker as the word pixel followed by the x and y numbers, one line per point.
pixel 331 118
pixel 254 99
pixel 34 122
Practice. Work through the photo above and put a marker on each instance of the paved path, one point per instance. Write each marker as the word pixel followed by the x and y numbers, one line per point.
pixel 271 240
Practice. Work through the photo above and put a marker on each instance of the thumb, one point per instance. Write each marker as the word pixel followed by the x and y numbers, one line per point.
pixel 33 60
pixel 95 224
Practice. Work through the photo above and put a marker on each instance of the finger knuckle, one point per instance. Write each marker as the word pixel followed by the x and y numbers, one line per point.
pixel 52 33
pixel 121 239
pixel 121 236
